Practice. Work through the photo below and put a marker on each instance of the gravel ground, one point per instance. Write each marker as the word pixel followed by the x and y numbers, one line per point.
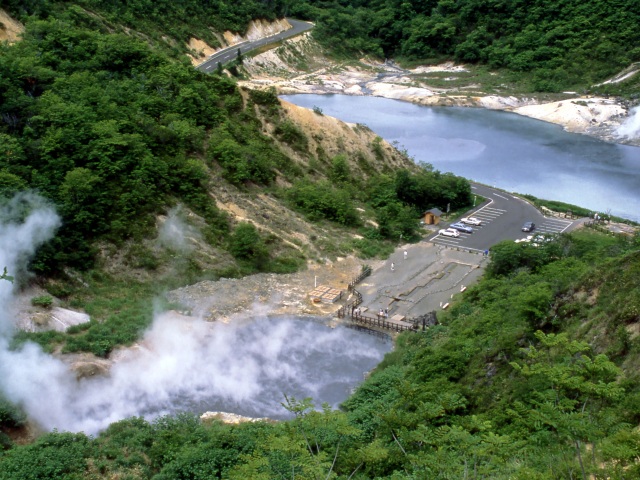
pixel 274 294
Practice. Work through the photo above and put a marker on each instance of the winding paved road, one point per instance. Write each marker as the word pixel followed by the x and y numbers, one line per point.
pixel 231 53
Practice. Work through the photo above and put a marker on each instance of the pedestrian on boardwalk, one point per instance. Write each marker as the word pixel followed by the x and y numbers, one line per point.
pixel 386 313
pixel 405 254
pixel 393 267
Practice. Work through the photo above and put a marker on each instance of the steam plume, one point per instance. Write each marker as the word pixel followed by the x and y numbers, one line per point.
pixel 631 126
pixel 26 221
pixel 176 233
pixel 182 363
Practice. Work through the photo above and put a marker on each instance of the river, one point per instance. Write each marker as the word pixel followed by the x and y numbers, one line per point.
pixel 501 149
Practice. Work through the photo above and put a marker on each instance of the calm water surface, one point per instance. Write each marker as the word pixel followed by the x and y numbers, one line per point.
pixel 501 149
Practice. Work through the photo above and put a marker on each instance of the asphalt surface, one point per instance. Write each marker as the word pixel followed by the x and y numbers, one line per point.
pixel 502 217
pixel 425 281
pixel 231 53
pixel 437 269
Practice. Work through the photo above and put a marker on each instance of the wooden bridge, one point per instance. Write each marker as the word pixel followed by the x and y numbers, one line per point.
pixel 381 321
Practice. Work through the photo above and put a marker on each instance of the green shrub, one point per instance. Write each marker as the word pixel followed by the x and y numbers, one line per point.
pixel 291 134
pixel 44 301
pixel 54 456
pixel 10 414
pixel 268 97
pixel 323 200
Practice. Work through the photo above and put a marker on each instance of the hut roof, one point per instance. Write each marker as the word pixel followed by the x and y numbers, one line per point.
pixel 434 211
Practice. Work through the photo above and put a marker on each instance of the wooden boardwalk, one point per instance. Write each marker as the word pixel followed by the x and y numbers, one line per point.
pixel 380 321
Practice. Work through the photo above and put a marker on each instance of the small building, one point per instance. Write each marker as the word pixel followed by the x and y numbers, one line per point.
pixel 432 217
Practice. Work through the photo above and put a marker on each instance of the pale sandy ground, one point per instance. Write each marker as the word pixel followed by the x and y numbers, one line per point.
pixel 10 29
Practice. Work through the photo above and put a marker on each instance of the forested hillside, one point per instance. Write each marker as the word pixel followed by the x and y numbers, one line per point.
pixel 553 44
pixel 116 133
pixel 532 374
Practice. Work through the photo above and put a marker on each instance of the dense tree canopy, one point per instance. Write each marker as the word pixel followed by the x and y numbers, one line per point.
pixel 504 387
pixel 558 44
pixel 104 127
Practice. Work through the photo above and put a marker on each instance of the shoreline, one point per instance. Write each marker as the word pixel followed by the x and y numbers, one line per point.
pixel 595 116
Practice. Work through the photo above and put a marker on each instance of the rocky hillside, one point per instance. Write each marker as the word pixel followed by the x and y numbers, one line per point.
pixel 10 28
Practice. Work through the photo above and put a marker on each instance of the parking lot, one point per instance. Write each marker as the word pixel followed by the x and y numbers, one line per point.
pixel 502 217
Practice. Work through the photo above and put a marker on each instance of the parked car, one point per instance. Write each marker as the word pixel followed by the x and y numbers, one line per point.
pixel 461 227
pixel 449 232
pixel 471 221
pixel 528 227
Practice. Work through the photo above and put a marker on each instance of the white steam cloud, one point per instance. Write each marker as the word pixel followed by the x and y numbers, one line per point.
pixel 176 233
pixel 630 128
pixel 26 221
pixel 181 363
pixel 193 365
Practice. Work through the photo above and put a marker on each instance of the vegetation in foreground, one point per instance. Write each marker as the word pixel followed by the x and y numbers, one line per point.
pixel 505 387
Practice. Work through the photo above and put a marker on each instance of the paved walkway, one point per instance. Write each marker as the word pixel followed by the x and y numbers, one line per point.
pixel 425 281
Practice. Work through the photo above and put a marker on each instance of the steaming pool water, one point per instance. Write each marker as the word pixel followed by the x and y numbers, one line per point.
pixel 181 363
pixel 244 367
pixel 248 367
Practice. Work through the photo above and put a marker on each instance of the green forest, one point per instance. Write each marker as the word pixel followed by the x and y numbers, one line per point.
pixel 551 44
pixel 531 374
pixel 505 387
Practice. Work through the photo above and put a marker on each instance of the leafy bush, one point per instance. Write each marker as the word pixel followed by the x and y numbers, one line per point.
pixel 268 97
pixel 323 200
pixel 291 134
pixel 44 301
pixel 10 414
pixel 245 243
pixel 53 456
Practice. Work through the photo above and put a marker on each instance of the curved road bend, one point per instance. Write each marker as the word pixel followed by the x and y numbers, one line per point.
pixel 231 53
pixel 502 217
pixel 435 270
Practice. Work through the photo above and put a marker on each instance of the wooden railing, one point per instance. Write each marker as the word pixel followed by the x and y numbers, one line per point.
pixel 381 322
pixel 366 271
pixel 350 307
